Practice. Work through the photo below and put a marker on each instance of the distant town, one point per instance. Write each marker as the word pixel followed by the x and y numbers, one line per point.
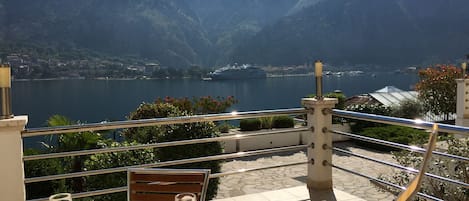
pixel 27 67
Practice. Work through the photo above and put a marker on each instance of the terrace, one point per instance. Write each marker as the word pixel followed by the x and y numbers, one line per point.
pixel 315 139
pixel 319 175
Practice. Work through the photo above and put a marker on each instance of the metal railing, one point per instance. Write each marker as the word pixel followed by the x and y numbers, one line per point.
pixel 406 123
pixel 232 116
pixel 157 122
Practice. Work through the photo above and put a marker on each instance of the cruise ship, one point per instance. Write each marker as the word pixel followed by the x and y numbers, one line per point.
pixel 235 72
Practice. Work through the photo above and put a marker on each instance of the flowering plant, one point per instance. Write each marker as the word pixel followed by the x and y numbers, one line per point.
pixel 200 105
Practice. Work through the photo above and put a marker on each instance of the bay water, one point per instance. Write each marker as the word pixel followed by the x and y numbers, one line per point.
pixel 109 100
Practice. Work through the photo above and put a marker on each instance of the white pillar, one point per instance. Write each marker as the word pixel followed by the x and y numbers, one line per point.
pixel 462 104
pixel 319 180
pixel 11 153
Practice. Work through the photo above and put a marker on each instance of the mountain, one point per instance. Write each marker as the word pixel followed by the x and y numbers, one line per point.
pixel 229 23
pixel 165 30
pixel 181 33
pixel 177 33
pixel 384 32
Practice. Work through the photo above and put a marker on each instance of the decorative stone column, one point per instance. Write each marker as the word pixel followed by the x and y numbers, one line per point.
pixel 11 153
pixel 319 180
pixel 462 104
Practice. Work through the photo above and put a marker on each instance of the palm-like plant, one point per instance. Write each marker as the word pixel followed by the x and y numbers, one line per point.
pixel 72 142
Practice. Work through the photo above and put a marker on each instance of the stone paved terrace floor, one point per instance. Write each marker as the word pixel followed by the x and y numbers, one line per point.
pixel 299 193
pixel 294 176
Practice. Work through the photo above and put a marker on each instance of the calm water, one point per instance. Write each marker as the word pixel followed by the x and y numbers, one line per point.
pixel 98 100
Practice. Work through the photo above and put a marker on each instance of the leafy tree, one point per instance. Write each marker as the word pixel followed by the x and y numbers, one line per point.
pixel 73 142
pixel 176 132
pixel 357 126
pixel 409 109
pixel 45 167
pixel 437 89
pixel 60 143
pixel 112 160
pixel 200 105
pixel 91 140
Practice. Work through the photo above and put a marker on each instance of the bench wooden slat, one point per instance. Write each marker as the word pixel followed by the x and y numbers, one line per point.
pixel 151 197
pixel 167 177
pixel 173 188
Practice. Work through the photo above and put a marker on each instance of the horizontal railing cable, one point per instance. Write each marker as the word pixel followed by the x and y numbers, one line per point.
pixel 421 195
pixel 400 146
pixel 91 193
pixel 159 145
pixel 216 175
pixel 158 121
pixel 400 121
pixel 165 163
pixel 407 169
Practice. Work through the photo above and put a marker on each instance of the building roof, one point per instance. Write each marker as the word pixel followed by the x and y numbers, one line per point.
pixel 364 99
pixel 394 98
pixel 389 89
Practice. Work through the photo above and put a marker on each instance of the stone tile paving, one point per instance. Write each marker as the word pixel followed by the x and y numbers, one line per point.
pixel 299 193
pixel 285 177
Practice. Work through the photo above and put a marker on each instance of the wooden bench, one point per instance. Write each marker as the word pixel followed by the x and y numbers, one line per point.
pixel 155 184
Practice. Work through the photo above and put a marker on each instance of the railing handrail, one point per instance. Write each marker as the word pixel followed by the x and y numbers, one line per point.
pixel 399 146
pixel 422 195
pixel 165 163
pixel 160 145
pixel 158 121
pixel 401 121
pixel 30 132
pixel 403 168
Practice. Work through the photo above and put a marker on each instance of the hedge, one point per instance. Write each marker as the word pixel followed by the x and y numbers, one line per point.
pixel 397 134
pixel 250 124
pixel 283 122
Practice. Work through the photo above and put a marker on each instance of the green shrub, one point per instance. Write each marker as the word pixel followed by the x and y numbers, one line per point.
pixel 357 126
pixel 409 109
pixel 266 122
pixel 45 167
pixel 200 105
pixel 177 132
pixel 224 127
pixel 339 95
pixel 113 160
pixel 250 124
pixel 397 134
pixel 283 122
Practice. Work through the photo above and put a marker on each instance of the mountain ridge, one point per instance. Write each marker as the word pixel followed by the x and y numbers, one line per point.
pixel 182 33
pixel 357 32
pixel 163 30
